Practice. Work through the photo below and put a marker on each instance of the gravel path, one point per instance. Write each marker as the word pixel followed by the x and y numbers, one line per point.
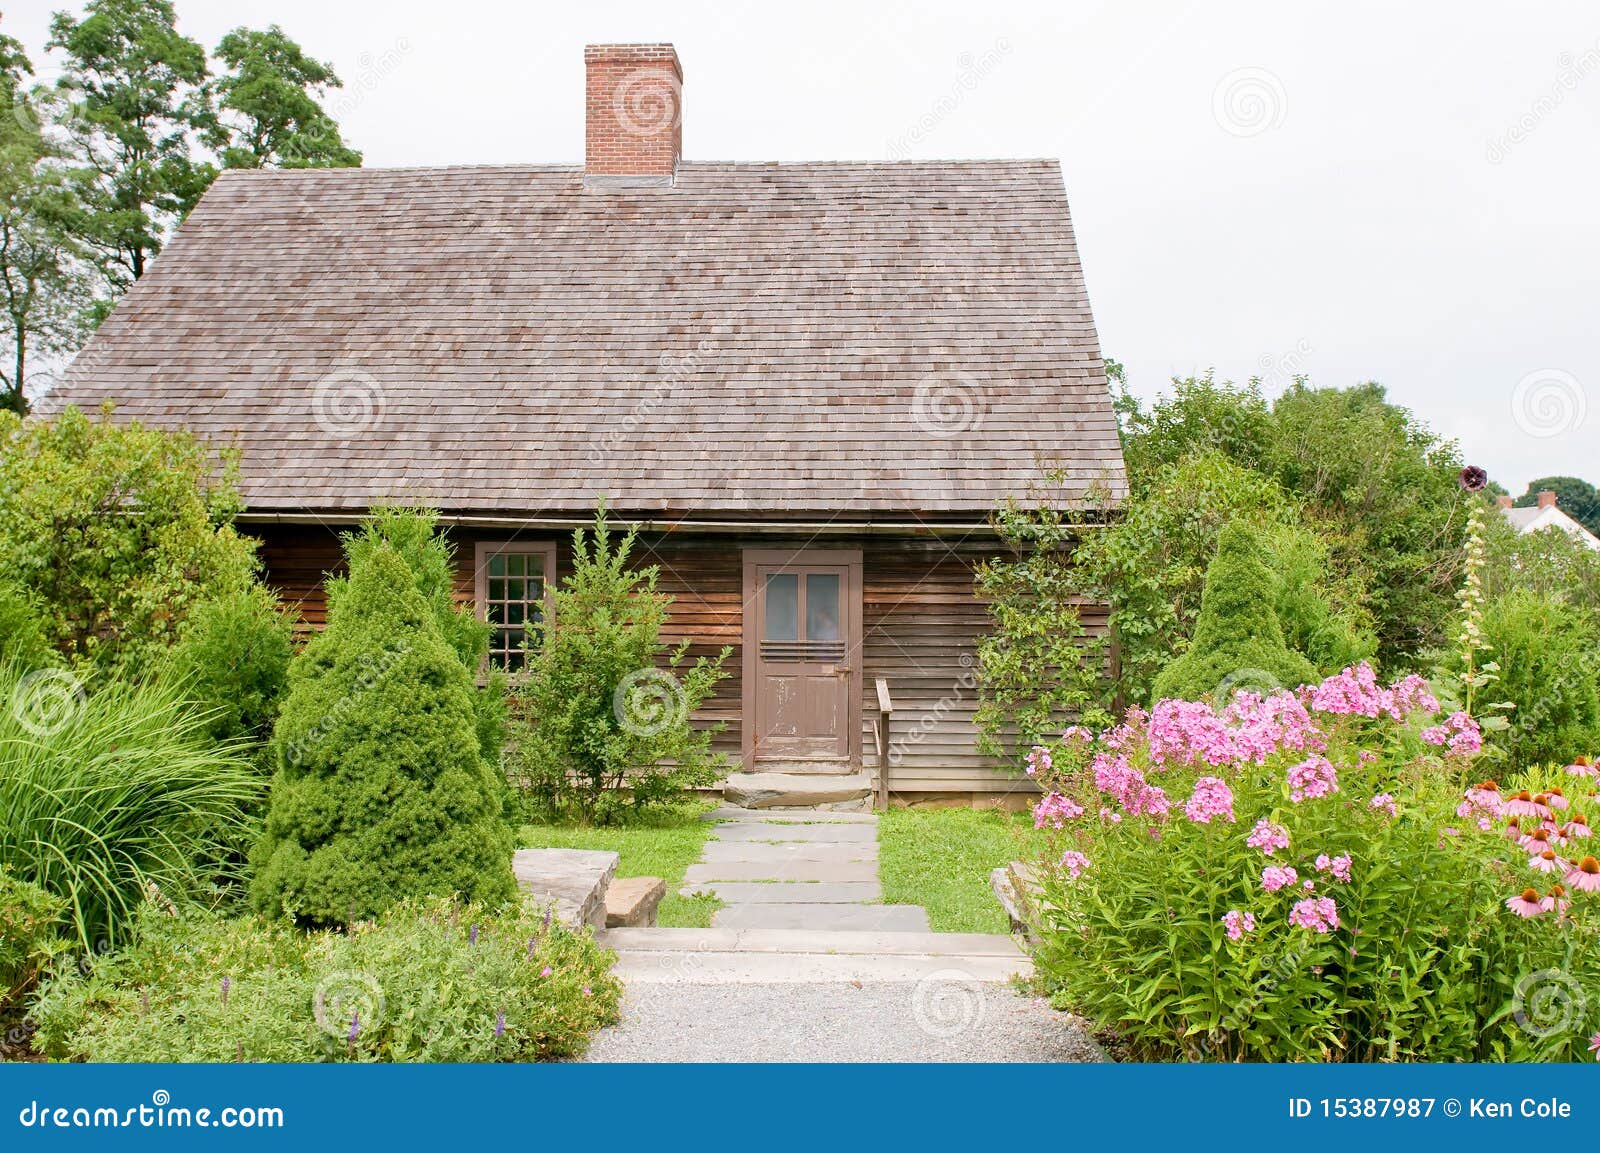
pixel 840 1022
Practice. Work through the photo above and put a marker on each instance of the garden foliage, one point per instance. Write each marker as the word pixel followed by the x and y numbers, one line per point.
pixel 1301 876
pixel 602 723
pixel 427 981
pixel 232 657
pixel 382 789
pixel 30 936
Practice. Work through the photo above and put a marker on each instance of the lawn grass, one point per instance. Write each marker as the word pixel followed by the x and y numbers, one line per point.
pixel 662 844
pixel 941 858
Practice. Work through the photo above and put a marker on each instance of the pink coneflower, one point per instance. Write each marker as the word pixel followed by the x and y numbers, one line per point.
pixel 1594 1046
pixel 1537 841
pixel 1580 767
pixel 1525 903
pixel 1556 901
pixel 1524 805
pixel 1578 826
pixel 1267 837
pixel 1555 798
pixel 1238 924
pixel 1547 862
pixel 1275 877
pixel 1074 863
pixel 1585 876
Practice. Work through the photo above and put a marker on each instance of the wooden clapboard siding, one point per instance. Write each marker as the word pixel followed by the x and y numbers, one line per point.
pixel 921 624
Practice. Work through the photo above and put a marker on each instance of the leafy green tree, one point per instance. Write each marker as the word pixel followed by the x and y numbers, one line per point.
pixel 232 658
pixel 602 725
pixel 382 791
pixel 1576 497
pixel 115 532
pixel 1200 416
pixel 1238 641
pixel 268 105
pixel 1037 666
pixel 44 289
pixel 134 97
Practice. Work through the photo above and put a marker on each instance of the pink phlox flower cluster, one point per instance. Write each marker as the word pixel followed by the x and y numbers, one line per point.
pixel 1251 728
pixel 1211 799
pixel 1275 877
pixel 1114 775
pixel 1339 866
pixel 1039 761
pixel 1187 732
pixel 1318 914
pixel 1074 863
pixel 1238 924
pixel 1355 692
pixel 1128 733
pixel 1267 837
pixel 1312 778
pixel 1386 803
pixel 1459 735
pixel 1056 810
pixel 1076 733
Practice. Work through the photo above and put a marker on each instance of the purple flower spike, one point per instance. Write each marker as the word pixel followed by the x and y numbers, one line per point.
pixel 500 1025
pixel 472 937
pixel 355 1027
pixel 225 984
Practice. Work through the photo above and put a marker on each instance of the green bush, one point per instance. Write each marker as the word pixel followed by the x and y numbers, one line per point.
pixel 30 936
pixel 232 658
pixel 1237 638
pixel 1220 890
pixel 115 531
pixel 1545 650
pixel 105 793
pixel 21 630
pixel 428 981
pixel 1321 618
pixel 599 727
pixel 382 791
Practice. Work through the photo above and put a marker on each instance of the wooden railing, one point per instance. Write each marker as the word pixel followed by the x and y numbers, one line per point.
pixel 880 737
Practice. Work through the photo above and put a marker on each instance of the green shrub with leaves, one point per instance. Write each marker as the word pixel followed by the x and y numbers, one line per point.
pixel 232 658
pixel 1037 668
pixel 1238 642
pixel 115 531
pixel 427 981
pixel 382 790
pixel 30 936
pixel 22 630
pixel 106 793
pixel 603 725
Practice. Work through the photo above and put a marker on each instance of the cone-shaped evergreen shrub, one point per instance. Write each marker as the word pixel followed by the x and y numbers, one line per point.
pixel 1238 640
pixel 382 790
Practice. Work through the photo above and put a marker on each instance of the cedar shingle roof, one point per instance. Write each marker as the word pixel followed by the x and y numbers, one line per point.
pixel 778 339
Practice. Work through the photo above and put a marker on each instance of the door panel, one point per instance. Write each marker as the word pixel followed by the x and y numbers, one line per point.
pixel 803 661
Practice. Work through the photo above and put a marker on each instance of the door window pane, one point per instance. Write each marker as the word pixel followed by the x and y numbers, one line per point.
pixel 783 607
pixel 822 606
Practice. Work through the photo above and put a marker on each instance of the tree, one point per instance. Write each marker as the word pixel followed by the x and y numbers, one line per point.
pixel 115 531
pixel 602 725
pixel 43 287
pixel 1238 641
pixel 134 102
pixel 382 791
pixel 269 115
pixel 1577 498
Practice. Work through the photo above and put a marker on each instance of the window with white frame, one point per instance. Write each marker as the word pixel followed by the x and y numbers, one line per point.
pixel 514 585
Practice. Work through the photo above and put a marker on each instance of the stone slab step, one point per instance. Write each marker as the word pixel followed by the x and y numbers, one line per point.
pixel 757 852
pixel 730 956
pixel 633 901
pixel 788 870
pixel 789 892
pixel 771 831
pixel 572 882
pixel 794 790
pixel 792 816
pixel 879 918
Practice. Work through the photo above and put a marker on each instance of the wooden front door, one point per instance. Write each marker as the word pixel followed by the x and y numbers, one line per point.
pixel 802 655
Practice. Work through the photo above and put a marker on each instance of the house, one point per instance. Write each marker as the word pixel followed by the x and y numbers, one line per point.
pixel 1544 514
pixel 807 384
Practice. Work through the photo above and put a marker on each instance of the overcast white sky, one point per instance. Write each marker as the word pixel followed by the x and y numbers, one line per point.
pixel 1407 193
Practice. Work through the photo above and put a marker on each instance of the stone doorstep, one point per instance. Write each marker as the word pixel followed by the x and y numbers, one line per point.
pixel 802 892
pixel 788 870
pixel 795 790
pixel 571 881
pixel 631 902
pixel 873 918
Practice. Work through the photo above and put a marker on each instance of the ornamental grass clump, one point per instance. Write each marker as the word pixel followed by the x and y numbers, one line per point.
pixel 1298 876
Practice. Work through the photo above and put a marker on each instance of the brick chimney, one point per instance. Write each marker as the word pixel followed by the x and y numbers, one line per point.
pixel 633 103
pixel 1547 499
pixel 1503 501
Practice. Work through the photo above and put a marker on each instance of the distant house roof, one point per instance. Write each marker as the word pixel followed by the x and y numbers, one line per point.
pixel 845 339
pixel 1534 518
